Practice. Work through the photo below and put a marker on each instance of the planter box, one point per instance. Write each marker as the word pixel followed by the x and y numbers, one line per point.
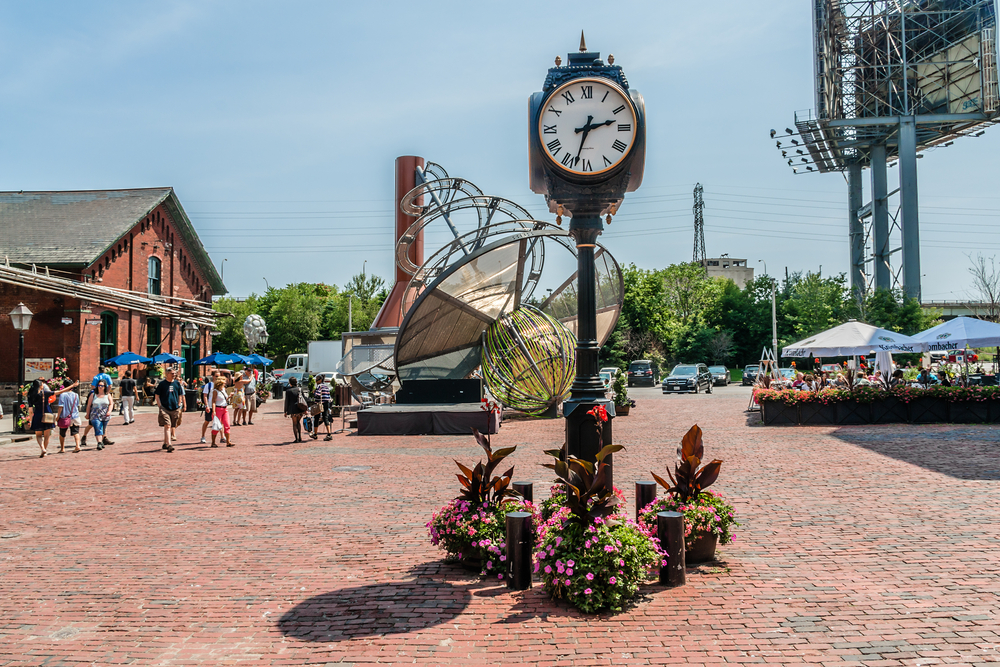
pixel 929 411
pixel 777 413
pixel 819 414
pixel 890 410
pixel 853 412
pixel 969 412
pixel 993 408
pixel 622 410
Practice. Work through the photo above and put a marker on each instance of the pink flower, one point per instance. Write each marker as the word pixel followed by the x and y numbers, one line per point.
pixel 548 569
pixel 568 582
pixel 587 591
pixel 499 576
pixel 590 576
pixel 489 565
pixel 612 581
pixel 571 563
pixel 569 571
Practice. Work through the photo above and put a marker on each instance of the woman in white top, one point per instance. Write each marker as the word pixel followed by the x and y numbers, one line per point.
pixel 221 402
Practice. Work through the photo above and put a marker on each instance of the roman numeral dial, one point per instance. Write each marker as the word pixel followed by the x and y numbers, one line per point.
pixel 587 126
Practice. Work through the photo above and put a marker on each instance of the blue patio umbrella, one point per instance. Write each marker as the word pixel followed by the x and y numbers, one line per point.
pixel 257 359
pixel 242 358
pixel 167 358
pixel 127 359
pixel 218 359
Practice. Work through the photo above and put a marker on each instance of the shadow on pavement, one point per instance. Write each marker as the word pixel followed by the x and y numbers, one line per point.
pixel 962 452
pixel 375 610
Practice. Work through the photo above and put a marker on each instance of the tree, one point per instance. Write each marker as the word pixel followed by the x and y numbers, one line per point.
pixel 986 286
pixel 230 338
pixel 720 347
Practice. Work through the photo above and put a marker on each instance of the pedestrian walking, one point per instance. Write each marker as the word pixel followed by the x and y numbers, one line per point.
pixel 250 397
pixel 206 401
pixel 128 387
pixel 99 408
pixel 43 418
pixel 221 420
pixel 295 407
pixel 239 398
pixel 171 401
pixel 102 376
pixel 69 416
pixel 325 414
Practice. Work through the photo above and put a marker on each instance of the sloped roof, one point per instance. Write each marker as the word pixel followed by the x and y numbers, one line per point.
pixel 75 228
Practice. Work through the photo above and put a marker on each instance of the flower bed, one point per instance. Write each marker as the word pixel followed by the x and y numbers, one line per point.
pixel 870 404
pixel 707 514
pixel 476 534
pixel 597 566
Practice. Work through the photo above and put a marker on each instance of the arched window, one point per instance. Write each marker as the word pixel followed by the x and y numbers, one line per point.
pixel 154 275
pixel 109 335
pixel 153 336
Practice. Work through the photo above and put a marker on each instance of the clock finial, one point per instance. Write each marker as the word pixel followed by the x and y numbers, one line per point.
pixel 583 43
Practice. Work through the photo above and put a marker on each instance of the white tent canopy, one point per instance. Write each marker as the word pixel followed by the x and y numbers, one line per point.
pixel 959 333
pixel 850 339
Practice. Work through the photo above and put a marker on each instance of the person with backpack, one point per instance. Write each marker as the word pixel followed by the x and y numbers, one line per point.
pixel 171 401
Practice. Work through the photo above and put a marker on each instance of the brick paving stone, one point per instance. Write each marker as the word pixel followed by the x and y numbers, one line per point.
pixel 861 545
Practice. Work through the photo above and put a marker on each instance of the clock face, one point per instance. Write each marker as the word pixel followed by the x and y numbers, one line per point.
pixel 587 126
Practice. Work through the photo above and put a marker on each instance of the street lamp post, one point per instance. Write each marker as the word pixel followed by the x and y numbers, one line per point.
pixel 20 317
pixel 774 312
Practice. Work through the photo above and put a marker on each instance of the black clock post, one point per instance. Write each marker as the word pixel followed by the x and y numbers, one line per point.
pixel 574 187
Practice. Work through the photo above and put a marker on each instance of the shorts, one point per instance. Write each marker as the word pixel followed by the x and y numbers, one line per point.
pixel 327 413
pixel 251 399
pixel 170 418
pixel 74 429
pixel 208 415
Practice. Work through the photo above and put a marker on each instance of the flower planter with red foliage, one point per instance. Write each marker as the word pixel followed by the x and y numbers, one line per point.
pixel 871 405
pixel 702 549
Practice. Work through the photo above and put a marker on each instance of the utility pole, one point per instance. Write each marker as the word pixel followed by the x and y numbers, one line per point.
pixel 774 311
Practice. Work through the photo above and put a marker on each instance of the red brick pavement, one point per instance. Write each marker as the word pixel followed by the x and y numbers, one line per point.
pixel 863 545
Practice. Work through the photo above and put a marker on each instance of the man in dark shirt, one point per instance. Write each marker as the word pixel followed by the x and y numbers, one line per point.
pixel 171 401
pixel 127 385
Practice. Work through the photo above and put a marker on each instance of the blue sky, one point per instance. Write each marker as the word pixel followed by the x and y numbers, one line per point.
pixel 278 124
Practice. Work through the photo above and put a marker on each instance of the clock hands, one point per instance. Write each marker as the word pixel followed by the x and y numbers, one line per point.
pixel 587 127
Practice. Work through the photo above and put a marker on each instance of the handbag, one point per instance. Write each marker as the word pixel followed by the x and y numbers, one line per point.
pixel 302 403
pixel 216 424
pixel 307 424
pixel 48 418
pixel 315 409
pixel 64 422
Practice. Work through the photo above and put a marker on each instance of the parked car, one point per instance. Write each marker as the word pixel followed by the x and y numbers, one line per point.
pixel 787 373
pixel 720 375
pixel 606 378
pixel 749 374
pixel 642 371
pixel 610 369
pixel 288 375
pixel 333 377
pixel 688 378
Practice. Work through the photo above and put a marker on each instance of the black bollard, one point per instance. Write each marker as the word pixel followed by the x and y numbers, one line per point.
pixel 670 530
pixel 645 493
pixel 525 489
pixel 520 536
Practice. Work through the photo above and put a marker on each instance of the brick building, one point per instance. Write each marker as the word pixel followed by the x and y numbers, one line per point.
pixel 103 271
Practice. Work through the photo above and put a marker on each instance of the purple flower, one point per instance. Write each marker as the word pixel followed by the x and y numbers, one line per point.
pixel 489 565
pixel 499 576
pixel 568 582
pixel 548 569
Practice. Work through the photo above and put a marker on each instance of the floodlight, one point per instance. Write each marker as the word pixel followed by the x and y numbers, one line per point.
pixel 804 159
pixel 773 133
pixel 778 144
pixel 794 141
pixel 789 130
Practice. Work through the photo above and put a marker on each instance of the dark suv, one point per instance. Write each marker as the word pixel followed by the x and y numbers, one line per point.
pixel 688 377
pixel 750 374
pixel 642 371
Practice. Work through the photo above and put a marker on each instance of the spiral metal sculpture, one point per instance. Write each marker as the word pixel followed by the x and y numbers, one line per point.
pixel 528 361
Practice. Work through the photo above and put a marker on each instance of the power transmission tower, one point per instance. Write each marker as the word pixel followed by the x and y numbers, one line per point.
pixel 699 225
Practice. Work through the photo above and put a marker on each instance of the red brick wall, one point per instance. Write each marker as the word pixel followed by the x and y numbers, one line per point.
pixel 124 266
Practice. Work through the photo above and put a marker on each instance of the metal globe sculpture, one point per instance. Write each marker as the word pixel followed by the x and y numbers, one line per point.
pixel 529 360
pixel 253 327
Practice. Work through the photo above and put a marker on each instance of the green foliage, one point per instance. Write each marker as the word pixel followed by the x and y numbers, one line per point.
pixel 707 514
pixel 300 312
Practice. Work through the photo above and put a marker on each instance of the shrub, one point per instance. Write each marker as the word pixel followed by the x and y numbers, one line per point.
pixel 472 533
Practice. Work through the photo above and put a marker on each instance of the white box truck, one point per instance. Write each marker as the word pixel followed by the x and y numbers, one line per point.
pixel 324 356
